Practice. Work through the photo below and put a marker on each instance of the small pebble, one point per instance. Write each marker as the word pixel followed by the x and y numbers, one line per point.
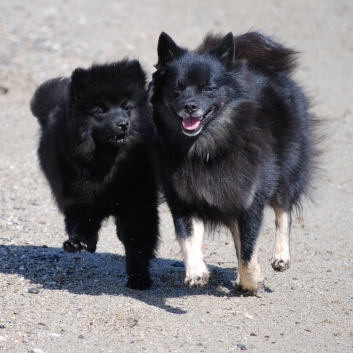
pixel 33 290
pixel 36 350
pixel 3 90
pixel 58 278
pixel 2 326
pixel 242 346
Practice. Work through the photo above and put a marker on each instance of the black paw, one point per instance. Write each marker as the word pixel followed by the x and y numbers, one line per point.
pixel 76 245
pixel 138 282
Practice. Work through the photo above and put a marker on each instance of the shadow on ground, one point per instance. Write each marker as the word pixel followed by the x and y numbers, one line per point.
pixel 104 274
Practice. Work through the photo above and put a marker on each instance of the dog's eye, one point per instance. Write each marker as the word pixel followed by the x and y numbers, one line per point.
pixel 177 88
pixel 208 89
pixel 127 107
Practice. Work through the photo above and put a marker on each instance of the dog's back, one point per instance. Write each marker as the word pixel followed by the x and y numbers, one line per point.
pixel 48 98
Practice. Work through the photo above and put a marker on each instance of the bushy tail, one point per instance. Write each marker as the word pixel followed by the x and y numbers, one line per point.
pixel 48 95
pixel 255 47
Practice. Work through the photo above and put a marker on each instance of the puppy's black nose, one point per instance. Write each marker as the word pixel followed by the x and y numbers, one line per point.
pixel 190 106
pixel 123 125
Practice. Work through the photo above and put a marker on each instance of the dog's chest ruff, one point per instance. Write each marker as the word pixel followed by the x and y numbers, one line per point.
pixel 218 186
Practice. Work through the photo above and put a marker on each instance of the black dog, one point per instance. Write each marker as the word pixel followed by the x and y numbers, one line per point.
pixel 93 152
pixel 233 134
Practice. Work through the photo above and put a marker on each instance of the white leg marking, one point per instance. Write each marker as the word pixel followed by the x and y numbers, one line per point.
pixel 250 277
pixel 281 255
pixel 196 271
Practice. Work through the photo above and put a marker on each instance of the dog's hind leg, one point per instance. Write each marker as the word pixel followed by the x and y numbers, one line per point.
pixel 245 234
pixel 190 232
pixel 281 254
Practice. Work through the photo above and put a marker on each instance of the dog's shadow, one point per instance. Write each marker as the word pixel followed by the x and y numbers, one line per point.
pixel 104 273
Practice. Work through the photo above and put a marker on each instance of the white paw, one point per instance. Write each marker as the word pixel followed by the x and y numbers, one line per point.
pixel 197 275
pixel 280 261
pixel 250 278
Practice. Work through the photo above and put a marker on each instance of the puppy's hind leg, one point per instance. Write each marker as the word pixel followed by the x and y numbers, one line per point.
pixel 137 228
pixel 281 254
pixel 190 232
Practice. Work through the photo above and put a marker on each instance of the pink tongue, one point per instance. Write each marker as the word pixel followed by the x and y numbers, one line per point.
pixel 191 123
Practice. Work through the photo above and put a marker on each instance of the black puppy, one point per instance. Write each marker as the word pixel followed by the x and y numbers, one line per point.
pixel 233 134
pixel 93 152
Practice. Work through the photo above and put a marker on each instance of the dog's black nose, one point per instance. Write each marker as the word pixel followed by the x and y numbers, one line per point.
pixel 123 125
pixel 190 106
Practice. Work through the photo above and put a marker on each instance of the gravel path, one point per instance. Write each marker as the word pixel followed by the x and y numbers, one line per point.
pixel 54 302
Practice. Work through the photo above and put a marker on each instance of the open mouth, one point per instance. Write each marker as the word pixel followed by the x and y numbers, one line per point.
pixel 116 139
pixel 192 125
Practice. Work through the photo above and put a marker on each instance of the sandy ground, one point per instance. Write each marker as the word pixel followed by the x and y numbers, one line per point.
pixel 80 303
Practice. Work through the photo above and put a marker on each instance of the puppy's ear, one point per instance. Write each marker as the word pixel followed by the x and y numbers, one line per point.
pixel 225 49
pixel 133 65
pixel 134 69
pixel 167 50
pixel 80 80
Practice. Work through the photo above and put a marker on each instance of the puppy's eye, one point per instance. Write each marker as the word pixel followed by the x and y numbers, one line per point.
pixel 208 89
pixel 127 107
pixel 177 88
pixel 98 111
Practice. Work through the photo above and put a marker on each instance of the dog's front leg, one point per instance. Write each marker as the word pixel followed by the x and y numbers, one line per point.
pixel 190 231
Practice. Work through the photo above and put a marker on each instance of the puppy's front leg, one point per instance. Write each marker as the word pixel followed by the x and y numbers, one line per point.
pixel 82 224
pixel 190 231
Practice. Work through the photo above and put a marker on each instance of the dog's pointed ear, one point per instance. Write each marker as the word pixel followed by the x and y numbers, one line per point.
pixel 167 50
pixel 80 79
pixel 225 50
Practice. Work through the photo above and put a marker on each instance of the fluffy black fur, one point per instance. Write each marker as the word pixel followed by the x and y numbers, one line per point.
pixel 233 132
pixel 93 152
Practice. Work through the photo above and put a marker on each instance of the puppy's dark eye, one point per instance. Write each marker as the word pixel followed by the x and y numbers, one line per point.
pixel 208 89
pixel 99 111
pixel 177 88
pixel 127 107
